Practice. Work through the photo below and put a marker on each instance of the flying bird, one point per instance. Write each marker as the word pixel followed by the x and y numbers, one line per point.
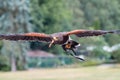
pixel 60 38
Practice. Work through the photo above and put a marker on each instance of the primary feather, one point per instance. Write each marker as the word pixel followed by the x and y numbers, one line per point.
pixel 87 33
pixel 27 37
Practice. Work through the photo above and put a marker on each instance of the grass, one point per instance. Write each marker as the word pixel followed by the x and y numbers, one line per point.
pixel 87 73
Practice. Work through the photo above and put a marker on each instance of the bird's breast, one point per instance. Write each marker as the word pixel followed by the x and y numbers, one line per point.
pixel 62 40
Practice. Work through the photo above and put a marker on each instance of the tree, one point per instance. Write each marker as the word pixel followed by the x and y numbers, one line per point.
pixel 103 14
pixel 14 18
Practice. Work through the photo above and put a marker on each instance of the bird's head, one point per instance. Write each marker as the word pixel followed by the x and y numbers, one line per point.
pixel 54 39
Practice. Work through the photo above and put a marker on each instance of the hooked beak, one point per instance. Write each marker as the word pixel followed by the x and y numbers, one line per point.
pixel 53 40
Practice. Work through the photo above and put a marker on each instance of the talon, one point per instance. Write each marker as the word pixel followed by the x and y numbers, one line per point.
pixel 68 46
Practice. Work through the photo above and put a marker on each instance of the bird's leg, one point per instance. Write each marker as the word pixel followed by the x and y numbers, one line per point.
pixel 51 43
pixel 74 55
pixel 73 51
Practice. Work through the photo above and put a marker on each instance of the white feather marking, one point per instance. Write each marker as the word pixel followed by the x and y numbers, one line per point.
pixel 78 45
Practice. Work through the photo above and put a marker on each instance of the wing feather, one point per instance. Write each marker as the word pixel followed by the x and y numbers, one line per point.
pixel 27 37
pixel 87 33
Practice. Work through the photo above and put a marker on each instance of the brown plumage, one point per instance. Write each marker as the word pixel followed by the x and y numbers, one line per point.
pixel 61 38
pixel 27 37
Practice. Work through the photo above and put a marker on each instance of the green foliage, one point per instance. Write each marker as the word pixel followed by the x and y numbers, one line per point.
pixel 92 62
pixel 100 53
pixel 49 15
pixel 116 55
pixel 45 62
pixel 4 64
pixel 14 18
pixel 103 11
pixel 97 14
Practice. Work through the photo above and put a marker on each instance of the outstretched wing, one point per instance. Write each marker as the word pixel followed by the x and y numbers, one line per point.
pixel 85 33
pixel 27 37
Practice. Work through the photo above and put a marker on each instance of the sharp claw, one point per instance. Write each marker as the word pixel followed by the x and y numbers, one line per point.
pixel 79 58
pixel 74 55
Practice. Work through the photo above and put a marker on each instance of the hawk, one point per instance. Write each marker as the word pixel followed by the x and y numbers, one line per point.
pixel 60 38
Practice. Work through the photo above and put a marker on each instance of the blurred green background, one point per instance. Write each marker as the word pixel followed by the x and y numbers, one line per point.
pixel 49 16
